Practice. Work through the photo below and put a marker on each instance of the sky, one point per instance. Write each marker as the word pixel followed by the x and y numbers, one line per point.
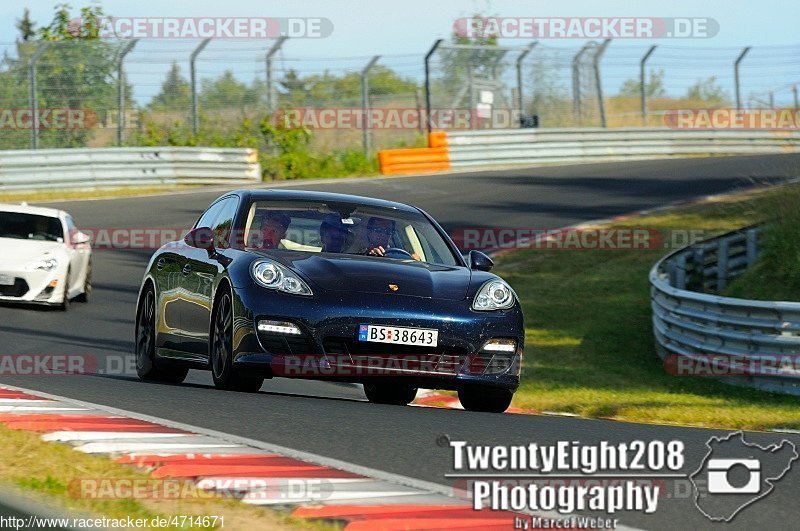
pixel 403 31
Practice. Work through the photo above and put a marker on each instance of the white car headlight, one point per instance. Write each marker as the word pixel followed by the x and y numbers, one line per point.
pixel 275 276
pixel 494 295
pixel 45 264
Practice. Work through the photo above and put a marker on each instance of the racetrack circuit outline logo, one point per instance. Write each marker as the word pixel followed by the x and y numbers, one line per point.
pixel 738 474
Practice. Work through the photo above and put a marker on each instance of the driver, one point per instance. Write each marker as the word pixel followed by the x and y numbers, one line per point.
pixel 379 232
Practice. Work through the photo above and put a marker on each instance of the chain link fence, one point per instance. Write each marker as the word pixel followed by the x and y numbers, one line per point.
pixel 183 92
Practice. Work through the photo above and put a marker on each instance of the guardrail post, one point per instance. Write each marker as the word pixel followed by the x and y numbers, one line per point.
pixel 428 119
pixel 121 90
pixel 33 97
pixel 598 84
pixel 680 272
pixel 365 122
pixel 752 246
pixel 193 76
pixel 520 103
pixel 270 89
pixel 643 82
pixel 722 265
pixel 736 75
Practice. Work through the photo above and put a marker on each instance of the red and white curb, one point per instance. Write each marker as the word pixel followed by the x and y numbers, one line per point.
pixel 363 498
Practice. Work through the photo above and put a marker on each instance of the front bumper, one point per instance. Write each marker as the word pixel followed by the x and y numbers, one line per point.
pixel 327 347
pixel 33 287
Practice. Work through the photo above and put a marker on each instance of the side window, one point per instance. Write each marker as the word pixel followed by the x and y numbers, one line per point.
pixel 72 229
pixel 210 215
pixel 223 225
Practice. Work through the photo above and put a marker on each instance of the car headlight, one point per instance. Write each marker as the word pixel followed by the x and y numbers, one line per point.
pixel 45 264
pixel 494 295
pixel 275 276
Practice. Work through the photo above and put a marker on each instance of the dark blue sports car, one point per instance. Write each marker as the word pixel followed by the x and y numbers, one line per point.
pixel 329 286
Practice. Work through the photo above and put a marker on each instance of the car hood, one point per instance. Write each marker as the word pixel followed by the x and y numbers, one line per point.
pixel 368 274
pixel 19 253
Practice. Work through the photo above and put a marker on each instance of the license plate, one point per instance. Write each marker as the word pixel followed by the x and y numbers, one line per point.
pixel 6 280
pixel 425 337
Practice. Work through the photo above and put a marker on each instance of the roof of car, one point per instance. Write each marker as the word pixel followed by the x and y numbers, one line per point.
pixel 282 194
pixel 24 208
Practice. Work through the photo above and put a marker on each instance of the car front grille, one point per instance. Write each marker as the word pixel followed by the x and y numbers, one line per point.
pixel 390 358
pixel 19 289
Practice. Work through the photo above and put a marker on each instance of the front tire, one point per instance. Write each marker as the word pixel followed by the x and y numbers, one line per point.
pixel 221 350
pixel 87 286
pixel 392 394
pixel 486 399
pixel 64 305
pixel 146 367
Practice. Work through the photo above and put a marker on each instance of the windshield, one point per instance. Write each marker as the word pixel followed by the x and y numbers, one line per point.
pixel 346 229
pixel 23 226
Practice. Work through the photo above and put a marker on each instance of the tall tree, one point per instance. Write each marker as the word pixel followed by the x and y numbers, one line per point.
pixel 175 91
pixel 25 26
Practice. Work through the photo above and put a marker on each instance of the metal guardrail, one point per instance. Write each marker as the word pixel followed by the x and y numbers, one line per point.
pixel 531 146
pixel 110 167
pixel 690 320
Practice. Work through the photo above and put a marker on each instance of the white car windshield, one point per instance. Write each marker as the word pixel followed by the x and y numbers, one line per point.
pixel 346 229
pixel 22 226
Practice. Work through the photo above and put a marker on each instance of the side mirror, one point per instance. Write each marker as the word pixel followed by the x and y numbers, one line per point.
pixel 479 261
pixel 200 238
pixel 80 238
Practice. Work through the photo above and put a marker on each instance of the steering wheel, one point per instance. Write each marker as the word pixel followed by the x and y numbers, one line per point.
pixel 396 252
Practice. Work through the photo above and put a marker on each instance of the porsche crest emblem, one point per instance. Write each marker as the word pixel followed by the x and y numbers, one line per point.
pixel 393 287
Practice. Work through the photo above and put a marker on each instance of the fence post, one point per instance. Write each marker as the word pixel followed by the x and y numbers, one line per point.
pixel 33 98
pixel 365 123
pixel 193 75
pixel 643 83
pixel 428 119
pixel 121 90
pixel 576 84
pixel 736 75
pixel 522 56
pixel 598 85
pixel 270 89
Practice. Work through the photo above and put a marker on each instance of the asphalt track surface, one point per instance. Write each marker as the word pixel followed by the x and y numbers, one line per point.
pixel 335 420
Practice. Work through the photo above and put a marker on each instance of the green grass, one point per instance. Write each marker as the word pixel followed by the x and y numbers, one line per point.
pixel 776 274
pixel 589 340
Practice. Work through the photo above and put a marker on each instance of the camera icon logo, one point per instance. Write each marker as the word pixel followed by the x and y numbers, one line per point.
pixel 719 471
pixel 736 473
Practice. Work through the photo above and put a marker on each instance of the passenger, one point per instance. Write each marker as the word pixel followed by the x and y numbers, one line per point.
pixel 333 234
pixel 273 228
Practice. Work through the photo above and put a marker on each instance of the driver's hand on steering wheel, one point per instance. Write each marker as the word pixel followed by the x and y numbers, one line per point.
pixel 377 251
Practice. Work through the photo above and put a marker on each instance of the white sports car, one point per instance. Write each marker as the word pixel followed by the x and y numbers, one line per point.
pixel 44 258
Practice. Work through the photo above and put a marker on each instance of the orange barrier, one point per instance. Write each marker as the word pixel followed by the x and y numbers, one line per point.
pixel 436 157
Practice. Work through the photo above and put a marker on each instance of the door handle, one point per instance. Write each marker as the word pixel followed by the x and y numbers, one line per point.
pixel 160 264
pixel 187 269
